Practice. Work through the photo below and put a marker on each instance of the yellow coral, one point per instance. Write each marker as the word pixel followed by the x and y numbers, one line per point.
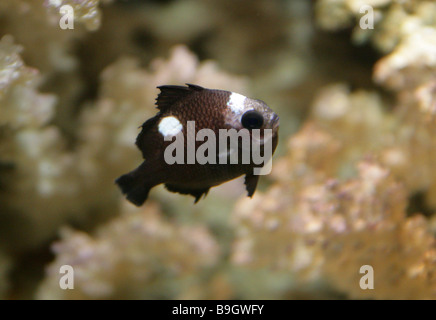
pixel 138 255
pixel 325 230
pixel 34 151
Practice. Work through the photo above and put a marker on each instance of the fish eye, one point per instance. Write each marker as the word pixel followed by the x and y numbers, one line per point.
pixel 252 120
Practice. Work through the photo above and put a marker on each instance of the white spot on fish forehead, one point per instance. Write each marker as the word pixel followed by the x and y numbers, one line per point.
pixel 236 102
pixel 170 126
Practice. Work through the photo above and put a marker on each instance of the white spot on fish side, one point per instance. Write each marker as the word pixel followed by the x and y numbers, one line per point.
pixel 236 102
pixel 170 126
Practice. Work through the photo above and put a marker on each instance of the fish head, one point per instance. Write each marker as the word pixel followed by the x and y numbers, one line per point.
pixel 254 115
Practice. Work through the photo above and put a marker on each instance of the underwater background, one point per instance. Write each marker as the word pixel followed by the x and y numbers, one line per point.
pixel 353 181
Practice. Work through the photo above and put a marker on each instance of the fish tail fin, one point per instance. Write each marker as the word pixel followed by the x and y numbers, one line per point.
pixel 134 187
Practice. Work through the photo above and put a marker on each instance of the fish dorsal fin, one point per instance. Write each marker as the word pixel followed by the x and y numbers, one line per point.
pixel 170 94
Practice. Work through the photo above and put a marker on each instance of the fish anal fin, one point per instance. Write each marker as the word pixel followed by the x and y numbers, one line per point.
pixel 196 193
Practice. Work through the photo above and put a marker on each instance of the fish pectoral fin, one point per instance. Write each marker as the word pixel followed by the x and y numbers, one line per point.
pixel 141 142
pixel 196 193
pixel 251 183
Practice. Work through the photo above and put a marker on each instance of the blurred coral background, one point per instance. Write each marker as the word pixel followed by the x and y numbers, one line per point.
pixel 353 181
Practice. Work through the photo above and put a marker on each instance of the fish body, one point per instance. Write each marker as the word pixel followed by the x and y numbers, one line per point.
pixel 184 113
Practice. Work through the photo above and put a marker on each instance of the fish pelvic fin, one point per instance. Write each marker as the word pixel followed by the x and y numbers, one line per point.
pixel 251 183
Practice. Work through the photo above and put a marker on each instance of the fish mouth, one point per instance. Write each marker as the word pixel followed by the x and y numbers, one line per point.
pixel 273 126
pixel 275 122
